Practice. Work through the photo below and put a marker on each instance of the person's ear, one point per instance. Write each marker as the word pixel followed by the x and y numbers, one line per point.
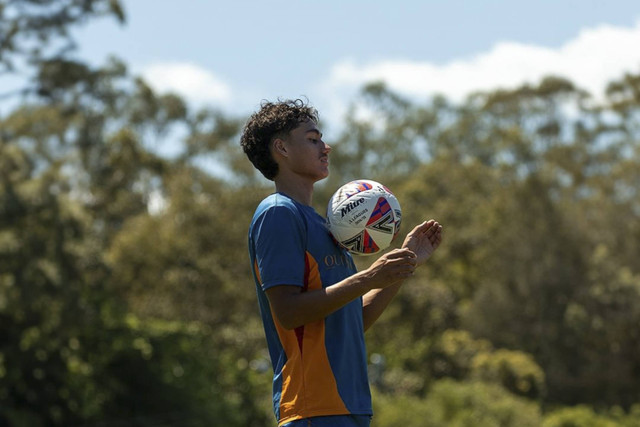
pixel 280 147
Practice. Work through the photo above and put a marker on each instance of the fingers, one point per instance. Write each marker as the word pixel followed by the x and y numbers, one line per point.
pixel 400 253
pixel 422 228
pixel 434 234
pixel 436 239
pixel 402 256
pixel 429 228
pixel 402 267
pixel 394 266
pixel 424 237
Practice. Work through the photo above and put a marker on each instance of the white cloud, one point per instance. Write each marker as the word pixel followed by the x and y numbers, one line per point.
pixel 590 60
pixel 188 80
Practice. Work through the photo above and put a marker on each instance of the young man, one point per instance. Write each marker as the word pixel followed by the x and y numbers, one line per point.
pixel 315 306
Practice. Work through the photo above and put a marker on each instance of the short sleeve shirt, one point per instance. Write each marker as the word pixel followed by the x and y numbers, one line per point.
pixel 319 368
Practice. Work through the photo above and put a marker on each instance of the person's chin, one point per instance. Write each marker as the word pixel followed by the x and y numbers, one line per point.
pixel 323 175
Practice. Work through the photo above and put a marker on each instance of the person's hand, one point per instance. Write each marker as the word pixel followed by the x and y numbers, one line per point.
pixel 424 239
pixel 392 267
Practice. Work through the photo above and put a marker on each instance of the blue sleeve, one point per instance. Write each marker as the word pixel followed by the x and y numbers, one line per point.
pixel 279 240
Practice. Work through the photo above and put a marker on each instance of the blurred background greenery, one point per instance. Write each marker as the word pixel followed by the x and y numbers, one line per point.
pixel 126 297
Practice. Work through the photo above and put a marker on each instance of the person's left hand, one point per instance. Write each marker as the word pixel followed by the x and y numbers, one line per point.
pixel 424 239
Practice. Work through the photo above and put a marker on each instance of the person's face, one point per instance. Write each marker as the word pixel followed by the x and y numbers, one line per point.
pixel 306 153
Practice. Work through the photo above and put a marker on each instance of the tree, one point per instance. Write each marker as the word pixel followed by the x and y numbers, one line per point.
pixel 79 173
pixel 521 179
pixel 451 403
pixel 35 35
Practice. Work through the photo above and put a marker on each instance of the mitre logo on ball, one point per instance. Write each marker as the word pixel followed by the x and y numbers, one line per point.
pixel 364 216
pixel 351 205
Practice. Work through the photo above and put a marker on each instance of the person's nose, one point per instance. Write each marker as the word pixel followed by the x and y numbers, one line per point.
pixel 327 148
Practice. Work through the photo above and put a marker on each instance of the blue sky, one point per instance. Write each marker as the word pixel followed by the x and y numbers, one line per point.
pixel 232 54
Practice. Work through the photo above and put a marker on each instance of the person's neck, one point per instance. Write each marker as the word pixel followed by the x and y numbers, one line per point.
pixel 299 191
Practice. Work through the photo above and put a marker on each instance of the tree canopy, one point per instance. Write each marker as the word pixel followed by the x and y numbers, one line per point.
pixel 126 296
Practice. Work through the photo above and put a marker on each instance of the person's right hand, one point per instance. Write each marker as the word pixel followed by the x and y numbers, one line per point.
pixel 392 267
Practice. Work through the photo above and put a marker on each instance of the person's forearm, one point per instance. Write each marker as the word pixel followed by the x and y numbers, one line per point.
pixel 375 302
pixel 297 308
pixel 294 308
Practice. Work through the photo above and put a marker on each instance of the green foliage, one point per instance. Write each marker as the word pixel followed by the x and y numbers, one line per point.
pixel 514 370
pixel 125 291
pixel 578 416
pixel 521 188
pixel 35 35
pixel 451 403
pixel 456 354
pixel 70 352
pixel 78 181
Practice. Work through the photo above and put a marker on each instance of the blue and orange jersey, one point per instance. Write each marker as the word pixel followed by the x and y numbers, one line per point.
pixel 319 368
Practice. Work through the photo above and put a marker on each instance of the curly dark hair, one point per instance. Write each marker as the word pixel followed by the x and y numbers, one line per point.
pixel 274 119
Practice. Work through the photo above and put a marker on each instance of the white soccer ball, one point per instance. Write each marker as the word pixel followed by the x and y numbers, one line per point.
pixel 364 216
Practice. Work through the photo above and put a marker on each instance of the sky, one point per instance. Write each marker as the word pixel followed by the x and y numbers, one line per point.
pixel 233 54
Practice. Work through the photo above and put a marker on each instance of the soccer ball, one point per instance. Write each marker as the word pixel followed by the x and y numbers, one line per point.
pixel 363 216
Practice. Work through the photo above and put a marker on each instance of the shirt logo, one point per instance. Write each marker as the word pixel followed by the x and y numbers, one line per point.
pixel 333 260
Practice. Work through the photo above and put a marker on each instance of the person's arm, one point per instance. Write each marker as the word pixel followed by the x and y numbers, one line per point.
pixel 295 308
pixel 423 240
pixel 375 302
